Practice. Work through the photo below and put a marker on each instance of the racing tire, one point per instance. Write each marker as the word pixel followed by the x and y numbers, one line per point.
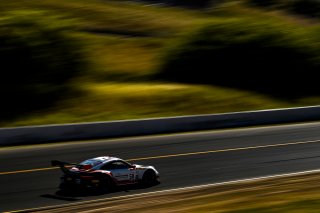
pixel 149 178
pixel 107 184
pixel 63 186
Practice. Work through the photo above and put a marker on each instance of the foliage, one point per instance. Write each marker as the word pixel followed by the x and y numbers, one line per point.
pixel 305 7
pixel 252 53
pixel 37 61
pixel 263 3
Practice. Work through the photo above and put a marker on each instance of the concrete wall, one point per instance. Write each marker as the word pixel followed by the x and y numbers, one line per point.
pixel 81 131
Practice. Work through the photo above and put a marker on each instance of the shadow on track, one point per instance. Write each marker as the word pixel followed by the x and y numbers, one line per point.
pixel 78 194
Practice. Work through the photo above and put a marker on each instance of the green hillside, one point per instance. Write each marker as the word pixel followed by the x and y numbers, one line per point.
pixel 125 45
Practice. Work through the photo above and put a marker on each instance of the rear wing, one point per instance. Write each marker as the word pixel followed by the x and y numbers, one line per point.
pixel 62 165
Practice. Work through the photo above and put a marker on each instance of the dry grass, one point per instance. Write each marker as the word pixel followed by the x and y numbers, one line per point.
pixel 287 194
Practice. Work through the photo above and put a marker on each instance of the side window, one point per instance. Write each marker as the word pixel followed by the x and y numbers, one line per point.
pixel 107 166
pixel 115 165
pixel 120 165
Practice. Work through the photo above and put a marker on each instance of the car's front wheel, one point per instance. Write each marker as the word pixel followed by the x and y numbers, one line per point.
pixel 149 178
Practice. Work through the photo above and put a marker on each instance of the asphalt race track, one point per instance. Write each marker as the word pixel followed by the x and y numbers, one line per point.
pixel 27 181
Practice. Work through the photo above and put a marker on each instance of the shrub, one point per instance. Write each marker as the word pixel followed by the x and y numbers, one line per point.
pixel 192 3
pixel 263 3
pixel 247 53
pixel 186 3
pixel 309 8
pixel 37 60
pixel 305 7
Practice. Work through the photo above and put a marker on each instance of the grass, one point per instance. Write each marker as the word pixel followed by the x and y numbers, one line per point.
pixel 121 38
pixel 124 43
pixel 115 101
pixel 297 194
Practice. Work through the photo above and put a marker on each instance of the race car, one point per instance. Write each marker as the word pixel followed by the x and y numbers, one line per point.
pixel 105 173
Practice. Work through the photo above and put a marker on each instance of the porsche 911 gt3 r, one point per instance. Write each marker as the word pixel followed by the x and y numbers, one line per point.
pixel 105 173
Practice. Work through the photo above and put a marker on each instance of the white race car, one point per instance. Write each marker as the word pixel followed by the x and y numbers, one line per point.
pixel 105 173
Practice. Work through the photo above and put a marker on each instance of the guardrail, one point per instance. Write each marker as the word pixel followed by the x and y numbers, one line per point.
pixel 95 130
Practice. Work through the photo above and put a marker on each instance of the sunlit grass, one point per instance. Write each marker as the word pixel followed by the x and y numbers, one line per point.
pixel 121 59
pixel 118 101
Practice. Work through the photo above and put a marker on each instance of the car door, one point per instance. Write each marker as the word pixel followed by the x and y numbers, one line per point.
pixel 122 172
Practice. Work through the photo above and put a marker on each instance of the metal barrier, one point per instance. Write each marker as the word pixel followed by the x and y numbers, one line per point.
pixel 95 130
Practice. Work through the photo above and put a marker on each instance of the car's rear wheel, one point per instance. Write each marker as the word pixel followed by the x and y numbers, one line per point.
pixel 63 186
pixel 149 178
pixel 106 184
